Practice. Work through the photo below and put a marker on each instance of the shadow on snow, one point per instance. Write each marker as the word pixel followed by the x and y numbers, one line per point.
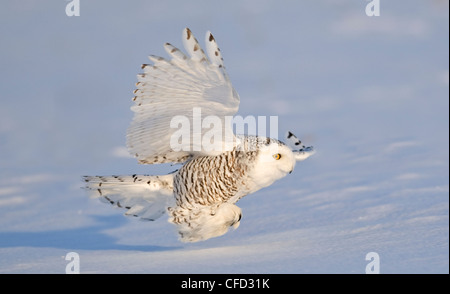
pixel 86 238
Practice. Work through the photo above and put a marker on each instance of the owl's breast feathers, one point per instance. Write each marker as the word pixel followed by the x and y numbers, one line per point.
pixel 209 180
pixel 205 189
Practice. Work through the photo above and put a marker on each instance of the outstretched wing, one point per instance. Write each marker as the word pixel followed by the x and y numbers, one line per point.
pixel 170 96
pixel 301 152
pixel 146 197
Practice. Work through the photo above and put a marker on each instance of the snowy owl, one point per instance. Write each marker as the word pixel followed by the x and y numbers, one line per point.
pixel 200 196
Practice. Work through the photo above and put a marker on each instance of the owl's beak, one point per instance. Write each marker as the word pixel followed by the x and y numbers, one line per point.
pixel 303 153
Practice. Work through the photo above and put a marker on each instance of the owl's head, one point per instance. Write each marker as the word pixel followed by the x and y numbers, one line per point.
pixel 275 160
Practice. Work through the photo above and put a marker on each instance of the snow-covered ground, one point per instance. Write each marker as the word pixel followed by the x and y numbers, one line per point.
pixel 370 93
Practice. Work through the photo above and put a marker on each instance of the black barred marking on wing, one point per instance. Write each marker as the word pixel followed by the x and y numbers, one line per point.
pixel 293 138
pixel 109 200
pixel 189 33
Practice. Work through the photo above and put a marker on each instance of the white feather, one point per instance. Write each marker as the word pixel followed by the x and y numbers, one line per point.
pixel 192 46
pixel 207 222
pixel 146 197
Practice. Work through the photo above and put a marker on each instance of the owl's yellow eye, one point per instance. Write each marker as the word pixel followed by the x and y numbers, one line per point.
pixel 277 156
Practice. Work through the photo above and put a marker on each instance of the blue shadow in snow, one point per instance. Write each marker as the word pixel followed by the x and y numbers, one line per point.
pixel 86 238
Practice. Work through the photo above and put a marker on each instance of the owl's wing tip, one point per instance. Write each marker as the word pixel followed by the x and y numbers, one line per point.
pixel 303 153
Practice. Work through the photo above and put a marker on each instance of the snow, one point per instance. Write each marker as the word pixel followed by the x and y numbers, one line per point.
pixel 370 93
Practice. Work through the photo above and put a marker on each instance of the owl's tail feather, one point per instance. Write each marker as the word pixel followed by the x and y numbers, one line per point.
pixel 146 197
